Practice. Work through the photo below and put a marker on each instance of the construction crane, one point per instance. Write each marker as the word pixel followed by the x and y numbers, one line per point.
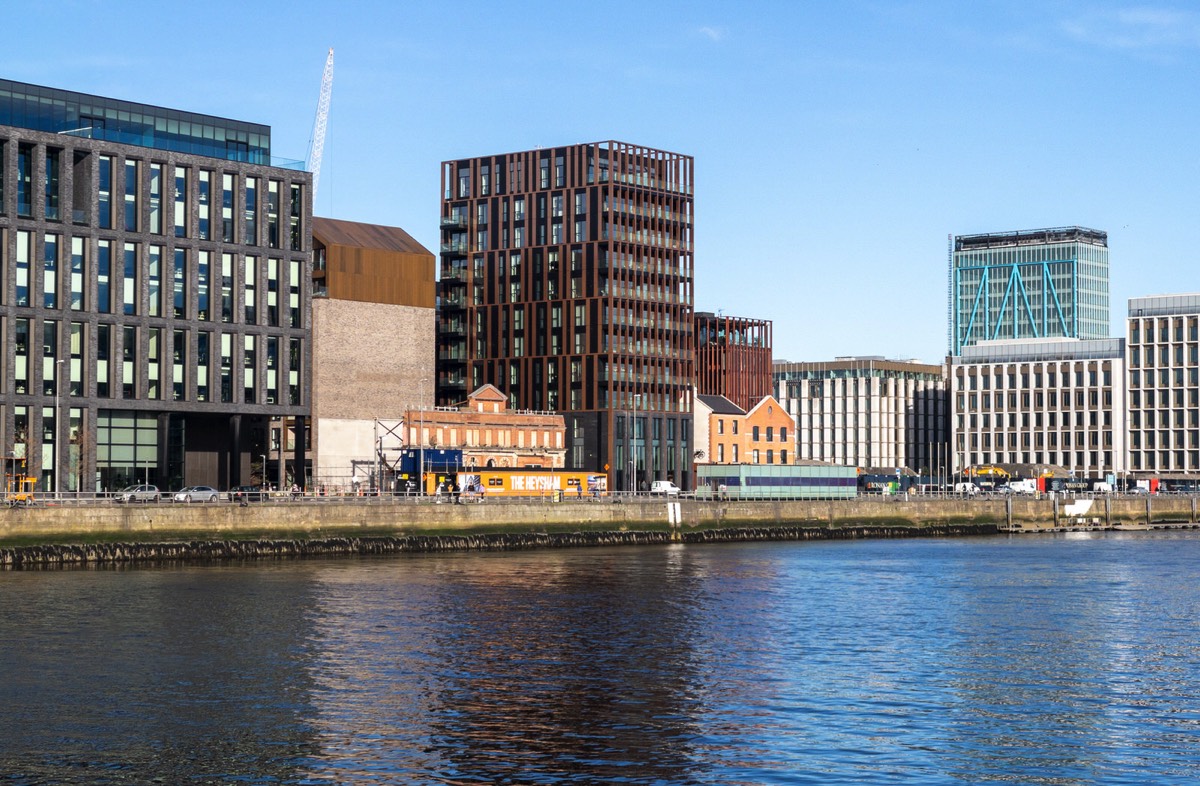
pixel 316 146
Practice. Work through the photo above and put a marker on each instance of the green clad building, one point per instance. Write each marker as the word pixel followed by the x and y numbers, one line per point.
pixel 1041 283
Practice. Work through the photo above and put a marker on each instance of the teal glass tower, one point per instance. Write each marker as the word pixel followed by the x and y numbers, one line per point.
pixel 1040 283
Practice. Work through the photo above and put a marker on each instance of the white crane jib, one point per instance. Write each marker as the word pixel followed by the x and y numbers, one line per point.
pixel 316 147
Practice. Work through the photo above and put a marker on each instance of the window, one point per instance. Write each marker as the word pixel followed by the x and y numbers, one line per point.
pixel 204 199
pixel 754 435
pixel 53 169
pixel 227 207
pixel 770 434
pixel 50 271
pixel 181 193
pixel 720 425
pixel 156 178
pixel 132 170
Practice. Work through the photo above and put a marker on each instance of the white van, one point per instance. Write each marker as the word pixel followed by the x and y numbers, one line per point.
pixel 664 487
pixel 969 489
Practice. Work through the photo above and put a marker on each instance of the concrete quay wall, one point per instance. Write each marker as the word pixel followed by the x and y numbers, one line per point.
pixel 309 518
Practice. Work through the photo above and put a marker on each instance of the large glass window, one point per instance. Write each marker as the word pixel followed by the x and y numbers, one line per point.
pixel 78 342
pixel 297 215
pixel 297 317
pixel 249 276
pixel 53 170
pixel 204 199
pixel 249 369
pixel 250 225
pixel 126 448
pixel 179 365
pixel 226 368
pixel 131 195
pixel 77 273
pixel 153 362
pixel 25 180
pixel 103 358
pixel 273 213
pixel 227 207
pixel 203 361
pixel 104 193
pixel 154 280
pixel 156 186
pixel 21 355
pixel 104 276
pixel 129 354
pixel 50 271
pixel 181 194
pixel 295 358
pixel 272 393
pixel 24 254
pixel 129 279
pixel 226 287
pixel 179 285
pixel 203 274
pixel 273 292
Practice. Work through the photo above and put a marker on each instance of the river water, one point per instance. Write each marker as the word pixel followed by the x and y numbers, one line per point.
pixel 1068 659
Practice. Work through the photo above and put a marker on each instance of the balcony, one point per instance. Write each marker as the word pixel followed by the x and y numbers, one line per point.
pixel 454 249
pixel 454 221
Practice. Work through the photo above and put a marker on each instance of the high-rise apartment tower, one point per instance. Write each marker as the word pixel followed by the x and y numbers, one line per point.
pixel 566 282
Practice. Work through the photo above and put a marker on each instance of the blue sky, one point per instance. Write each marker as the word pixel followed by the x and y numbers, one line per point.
pixel 837 144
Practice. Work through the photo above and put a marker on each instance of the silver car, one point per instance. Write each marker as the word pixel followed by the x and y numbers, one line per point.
pixel 140 493
pixel 196 494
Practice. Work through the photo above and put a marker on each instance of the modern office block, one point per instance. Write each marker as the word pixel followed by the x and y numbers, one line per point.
pixel 867 412
pixel 1052 403
pixel 566 282
pixel 373 324
pixel 1163 357
pixel 733 358
pixel 155 292
pixel 1041 283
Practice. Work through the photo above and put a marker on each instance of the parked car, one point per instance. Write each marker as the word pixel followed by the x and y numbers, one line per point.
pixel 143 492
pixel 965 488
pixel 664 487
pixel 197 494
pixel 249 494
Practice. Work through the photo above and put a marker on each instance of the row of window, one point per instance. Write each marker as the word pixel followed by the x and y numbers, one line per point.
pixel 755 431
pixel 107 277
pixel 1169 329
pixel 756 456
pixel 157 198
pixel 1080 460
pixel 131 362
pixel 1091 398
pixel 1078 378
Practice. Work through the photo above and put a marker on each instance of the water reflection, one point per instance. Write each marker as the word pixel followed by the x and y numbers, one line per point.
pixel 538 667
pixel 152 674
pixel 1028 660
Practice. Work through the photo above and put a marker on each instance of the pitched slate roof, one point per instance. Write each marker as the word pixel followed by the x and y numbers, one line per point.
pixel 720 405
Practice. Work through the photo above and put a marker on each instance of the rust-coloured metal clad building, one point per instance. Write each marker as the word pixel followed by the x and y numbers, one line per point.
pixel 567 282
pixel 733 358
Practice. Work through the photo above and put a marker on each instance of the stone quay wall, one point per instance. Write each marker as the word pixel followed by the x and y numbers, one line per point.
pixel 315 518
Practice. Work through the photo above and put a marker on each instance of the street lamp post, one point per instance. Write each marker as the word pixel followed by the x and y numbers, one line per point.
pixel 263 456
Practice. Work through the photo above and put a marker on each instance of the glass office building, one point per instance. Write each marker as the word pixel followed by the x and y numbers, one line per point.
pixel 1029 284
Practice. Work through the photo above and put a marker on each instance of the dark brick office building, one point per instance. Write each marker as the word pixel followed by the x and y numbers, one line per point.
pixel 155 291
pixel 567 282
